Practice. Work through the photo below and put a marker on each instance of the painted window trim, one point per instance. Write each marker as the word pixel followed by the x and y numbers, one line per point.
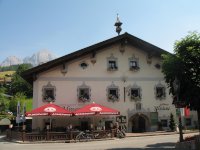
pixel 114 59
pixel 135 87
pixel 163 96
pixel 113 98
pixel 49 86
pixel 82 98
pixel 136 60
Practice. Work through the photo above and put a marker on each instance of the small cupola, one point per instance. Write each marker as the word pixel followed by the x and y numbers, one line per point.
pixel 118 25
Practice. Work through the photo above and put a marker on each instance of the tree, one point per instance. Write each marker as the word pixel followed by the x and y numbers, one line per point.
pixel 171 122
pixel 184 66
pixel 18 84
pixel 13 104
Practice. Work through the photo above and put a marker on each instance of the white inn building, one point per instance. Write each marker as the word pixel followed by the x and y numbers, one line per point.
pixel 123 73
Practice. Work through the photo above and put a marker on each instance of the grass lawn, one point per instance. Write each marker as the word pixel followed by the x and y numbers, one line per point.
pixel 2 74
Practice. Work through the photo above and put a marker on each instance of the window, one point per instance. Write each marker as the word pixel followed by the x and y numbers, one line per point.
pixel 164 122
pixel 84 93
pixel 134 92
pixel 134 63
pixel 64 69
pixel 113 93
pixel 48 93
pixel 188 121
pixel 113 96
pixel 160 91
pixel 112 63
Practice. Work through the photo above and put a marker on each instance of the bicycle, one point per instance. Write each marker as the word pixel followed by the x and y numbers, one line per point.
pixel 82 136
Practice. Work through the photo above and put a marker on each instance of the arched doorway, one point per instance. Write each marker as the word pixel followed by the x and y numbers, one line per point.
pixel 139 123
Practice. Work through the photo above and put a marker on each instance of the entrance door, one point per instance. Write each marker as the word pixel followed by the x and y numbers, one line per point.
pixel 138 124
pixel 141 124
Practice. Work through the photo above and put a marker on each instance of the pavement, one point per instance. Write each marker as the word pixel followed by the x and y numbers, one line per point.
pixel 156 133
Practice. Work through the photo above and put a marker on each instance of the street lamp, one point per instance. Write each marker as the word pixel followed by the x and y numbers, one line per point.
pixel 178 104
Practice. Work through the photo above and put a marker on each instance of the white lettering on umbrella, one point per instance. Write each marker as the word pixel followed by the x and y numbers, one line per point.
pixel 49 109
pixel 95 109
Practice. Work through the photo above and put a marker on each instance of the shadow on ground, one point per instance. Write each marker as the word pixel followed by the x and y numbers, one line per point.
pixel 158 146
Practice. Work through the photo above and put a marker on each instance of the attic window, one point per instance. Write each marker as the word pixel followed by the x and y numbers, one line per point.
pixel 83 65
pixel 134 63
pixel 112 63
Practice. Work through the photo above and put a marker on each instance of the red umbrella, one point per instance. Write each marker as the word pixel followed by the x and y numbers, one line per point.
pixel 93 109
pixel 49 110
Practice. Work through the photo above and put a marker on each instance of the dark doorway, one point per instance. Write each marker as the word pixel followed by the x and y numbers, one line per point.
pixel 141 124
pixel 108 125
pixel 138 124
pixel 84 125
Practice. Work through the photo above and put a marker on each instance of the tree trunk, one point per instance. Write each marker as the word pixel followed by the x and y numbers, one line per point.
pixel 198 113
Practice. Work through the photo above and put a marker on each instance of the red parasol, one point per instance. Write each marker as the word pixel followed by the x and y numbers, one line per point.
pixel 93 109
pixel 49 110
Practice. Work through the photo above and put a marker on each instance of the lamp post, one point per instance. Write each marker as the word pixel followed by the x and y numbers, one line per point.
pixel 178 104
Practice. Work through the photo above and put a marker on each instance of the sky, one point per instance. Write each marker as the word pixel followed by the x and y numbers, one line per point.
pixel 64 26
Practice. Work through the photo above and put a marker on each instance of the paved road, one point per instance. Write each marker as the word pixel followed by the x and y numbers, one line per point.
pixel 161 142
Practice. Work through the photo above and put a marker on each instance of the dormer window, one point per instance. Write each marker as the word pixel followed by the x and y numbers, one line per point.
pixel 112 63
pixel 160 91
pixel 133 63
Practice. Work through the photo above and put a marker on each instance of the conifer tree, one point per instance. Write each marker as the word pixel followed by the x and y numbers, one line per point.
pixel 171 122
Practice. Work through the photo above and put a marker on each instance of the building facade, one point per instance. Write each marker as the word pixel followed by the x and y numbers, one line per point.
pixel 123 73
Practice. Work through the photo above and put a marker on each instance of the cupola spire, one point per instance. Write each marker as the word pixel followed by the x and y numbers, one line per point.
pixel 118 25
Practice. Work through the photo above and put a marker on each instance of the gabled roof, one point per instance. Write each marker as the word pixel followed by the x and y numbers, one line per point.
pixel 30 74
